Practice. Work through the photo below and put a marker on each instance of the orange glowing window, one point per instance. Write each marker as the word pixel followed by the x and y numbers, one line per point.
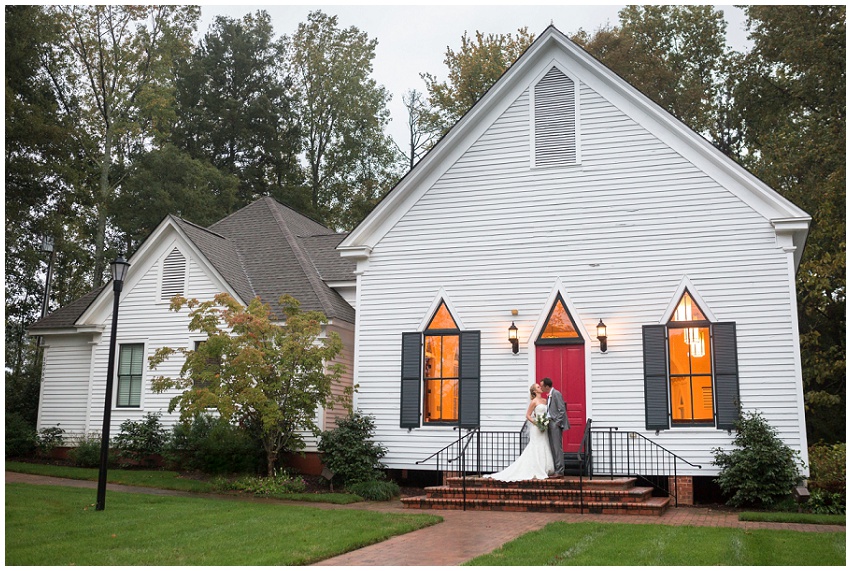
pixel 560 324
pixel 442 319
pixel 690 363
pixel 440 368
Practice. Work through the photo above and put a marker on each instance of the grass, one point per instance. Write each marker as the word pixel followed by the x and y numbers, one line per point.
pixel 55 525
pixel 163 479
pixel 793 517
pixel 595 544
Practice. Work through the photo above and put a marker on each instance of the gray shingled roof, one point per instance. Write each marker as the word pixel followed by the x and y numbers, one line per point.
pixel 266 250
pixel 67 316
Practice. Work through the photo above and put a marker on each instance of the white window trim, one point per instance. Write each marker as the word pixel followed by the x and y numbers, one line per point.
pixel 576 110
pixel 144 380
pixel 441 296
pixel 686 284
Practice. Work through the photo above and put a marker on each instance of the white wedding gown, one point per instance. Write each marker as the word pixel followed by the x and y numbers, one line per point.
pixel 536 461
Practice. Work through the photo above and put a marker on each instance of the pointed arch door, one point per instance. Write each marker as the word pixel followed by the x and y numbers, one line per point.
pixel 560 355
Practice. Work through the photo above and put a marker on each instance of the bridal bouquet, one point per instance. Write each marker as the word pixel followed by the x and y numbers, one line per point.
pixel 541 421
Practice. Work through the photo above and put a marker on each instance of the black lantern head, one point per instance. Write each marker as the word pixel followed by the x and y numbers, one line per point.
pixel 119 272
pixel 602 337
pixel 512 336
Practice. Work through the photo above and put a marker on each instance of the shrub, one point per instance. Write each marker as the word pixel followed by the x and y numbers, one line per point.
pixel 49 438
pixel 827 479
pixel 280 484
pixel 825 502
pixel 21 438
pixel 138 441
pixel 376 490
pixel 213 446
pixel 762 471
pixel 349 452
pixel 86 453
pixel 827 467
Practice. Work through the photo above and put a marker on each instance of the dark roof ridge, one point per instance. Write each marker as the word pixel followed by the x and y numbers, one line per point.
pixel 198 226
pixel 310 271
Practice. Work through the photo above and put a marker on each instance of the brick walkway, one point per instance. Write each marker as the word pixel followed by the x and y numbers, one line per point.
pixel 463 534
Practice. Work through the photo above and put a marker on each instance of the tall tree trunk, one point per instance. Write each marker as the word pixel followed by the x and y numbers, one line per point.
pixel 102 208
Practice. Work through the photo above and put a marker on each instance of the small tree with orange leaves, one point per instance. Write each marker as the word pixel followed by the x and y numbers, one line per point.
pixel 269 377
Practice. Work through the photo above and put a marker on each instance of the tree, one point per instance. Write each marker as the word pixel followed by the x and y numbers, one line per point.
pixel 473 69
pixel 234 110
pixel 342 112
pixel 268 377
pixel 115 85
pixel 676 55
pixel 168 181
pixel 790 98
pixel 422 132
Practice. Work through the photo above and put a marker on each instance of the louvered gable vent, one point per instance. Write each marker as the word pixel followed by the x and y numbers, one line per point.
pixel 555 120
pixel 174 275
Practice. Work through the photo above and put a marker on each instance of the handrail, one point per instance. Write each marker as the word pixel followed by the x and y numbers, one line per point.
pixel 604 450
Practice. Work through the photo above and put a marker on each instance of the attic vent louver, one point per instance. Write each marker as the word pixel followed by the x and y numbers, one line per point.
pixel 555 120
pixel 174 275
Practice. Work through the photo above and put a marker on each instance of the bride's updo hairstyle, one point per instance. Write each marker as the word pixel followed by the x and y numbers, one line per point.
pixel 532 392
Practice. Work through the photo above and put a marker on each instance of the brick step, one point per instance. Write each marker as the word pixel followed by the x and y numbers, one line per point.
pixel 566 483
pixel 652 506
pixel 634 494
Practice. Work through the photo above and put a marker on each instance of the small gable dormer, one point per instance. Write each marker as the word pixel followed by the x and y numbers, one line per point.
pixel 554 123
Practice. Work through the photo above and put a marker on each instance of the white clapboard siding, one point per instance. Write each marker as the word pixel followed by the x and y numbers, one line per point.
pixel 65 385
pixel 620 231
pixel 144 317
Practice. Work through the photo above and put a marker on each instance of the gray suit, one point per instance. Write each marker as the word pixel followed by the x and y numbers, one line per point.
pixel 558 424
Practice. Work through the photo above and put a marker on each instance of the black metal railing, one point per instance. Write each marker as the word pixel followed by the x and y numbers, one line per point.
pixel 628 453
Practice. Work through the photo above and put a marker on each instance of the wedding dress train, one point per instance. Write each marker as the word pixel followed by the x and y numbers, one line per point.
pixel 536 461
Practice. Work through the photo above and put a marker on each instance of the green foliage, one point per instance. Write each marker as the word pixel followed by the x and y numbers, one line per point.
pixel 86 452
pixel 163 479
pixel 761 470
pixel 827 478
pixel 375 490
pixel 351 162
pixel 234 110
pixel 20 436
pixel 213 446
pixel 138 441
pixel 349 452
pixel 269 378
pixel 673 54
pixel 473 69
pixel 50 438
pixel 825 502
pixel 280 483
pixel 790 99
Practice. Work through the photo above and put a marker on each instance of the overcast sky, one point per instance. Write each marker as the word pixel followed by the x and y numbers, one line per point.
pixel 413 39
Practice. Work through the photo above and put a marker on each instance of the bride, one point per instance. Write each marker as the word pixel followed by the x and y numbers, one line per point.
pixel 536 461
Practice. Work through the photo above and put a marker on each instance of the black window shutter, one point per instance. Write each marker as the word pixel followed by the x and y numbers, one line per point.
pixel 726 374
pixel 470 374
pixel 655 377
pixel 411 374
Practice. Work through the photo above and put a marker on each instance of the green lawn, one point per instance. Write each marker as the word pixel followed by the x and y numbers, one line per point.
pixel 588 544
pixel 54 525
pixel 163 479
pixel 793 517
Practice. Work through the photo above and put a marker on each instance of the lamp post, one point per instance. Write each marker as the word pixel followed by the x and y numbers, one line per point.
pixel 47 247
pixel 119 272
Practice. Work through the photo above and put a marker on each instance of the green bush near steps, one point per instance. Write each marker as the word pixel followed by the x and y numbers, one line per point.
pixel 375 490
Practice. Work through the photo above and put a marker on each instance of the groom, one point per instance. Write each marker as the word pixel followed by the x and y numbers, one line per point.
pixel 557 413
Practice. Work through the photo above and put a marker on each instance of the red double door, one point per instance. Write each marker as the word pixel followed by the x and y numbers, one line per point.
pixel 565 365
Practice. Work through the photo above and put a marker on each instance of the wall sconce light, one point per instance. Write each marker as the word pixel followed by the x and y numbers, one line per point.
pixel 602 337
pixel 512 336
